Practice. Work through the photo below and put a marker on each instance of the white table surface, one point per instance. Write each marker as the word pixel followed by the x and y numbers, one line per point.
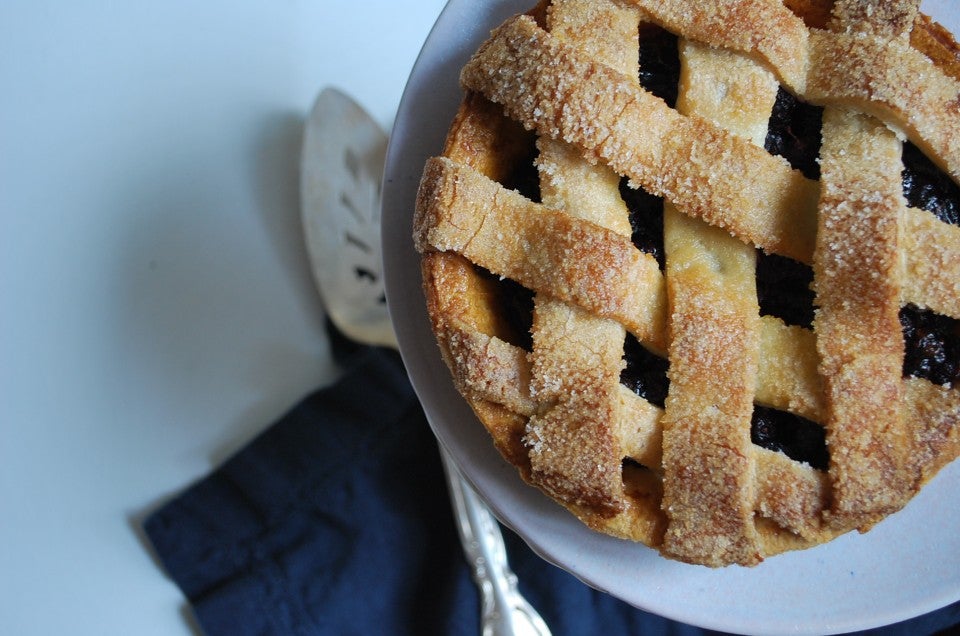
pixel 157 306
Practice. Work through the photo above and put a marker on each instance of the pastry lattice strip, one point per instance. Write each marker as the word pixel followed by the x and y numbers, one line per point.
pixel 853 68
pixel 577 356
pixel 464 212
pixel 794 500
pixel 709 461
pixel 787 376
pixel 857 279
pixel 792 494
pixel 704 170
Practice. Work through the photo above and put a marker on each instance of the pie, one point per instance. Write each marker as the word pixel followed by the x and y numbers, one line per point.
pixel 695 266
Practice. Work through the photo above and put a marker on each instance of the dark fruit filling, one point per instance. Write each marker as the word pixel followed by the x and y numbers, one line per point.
pixel 798 438
pixel 645 373
pixel 516 308
pixel 783 285
pixel 646 220
pixel 524 177
pixel 794 133
pixel 927 187
pixel 932 341
pixel 659 63
pixel 783 289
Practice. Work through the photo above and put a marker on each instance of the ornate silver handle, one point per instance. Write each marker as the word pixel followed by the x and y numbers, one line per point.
pixel 504 610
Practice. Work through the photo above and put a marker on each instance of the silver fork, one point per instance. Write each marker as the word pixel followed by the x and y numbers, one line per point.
pixel 341 170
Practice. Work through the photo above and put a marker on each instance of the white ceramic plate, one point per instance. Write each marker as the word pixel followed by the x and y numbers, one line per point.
pixel 908 565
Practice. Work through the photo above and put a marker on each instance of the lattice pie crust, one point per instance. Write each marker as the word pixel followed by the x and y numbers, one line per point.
pixel 685 477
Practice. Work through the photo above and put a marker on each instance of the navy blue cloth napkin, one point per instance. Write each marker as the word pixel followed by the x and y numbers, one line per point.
pixel 335 520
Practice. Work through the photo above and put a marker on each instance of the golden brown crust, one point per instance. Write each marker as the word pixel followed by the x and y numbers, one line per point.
pixel 816 14
pixel 875 18
pixel 708 460
pixel 931 260
pixel 635 133
pixel 576 361
pixel 934 41
pixel 764 28
pixel 539 247
pixel 857 274
pixel 691 483
pixel 859 337
pixel 866 71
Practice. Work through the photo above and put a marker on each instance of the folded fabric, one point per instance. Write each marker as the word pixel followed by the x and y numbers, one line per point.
pixel 336 520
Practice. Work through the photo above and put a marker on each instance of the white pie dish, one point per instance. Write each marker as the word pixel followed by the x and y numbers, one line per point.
pixel 909 564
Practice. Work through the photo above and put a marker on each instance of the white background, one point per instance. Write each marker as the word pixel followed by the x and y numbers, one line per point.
pixel 157 306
